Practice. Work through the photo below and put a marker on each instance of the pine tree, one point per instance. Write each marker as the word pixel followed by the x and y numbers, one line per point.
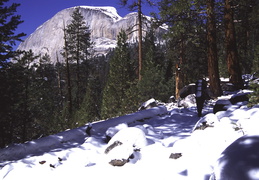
pixel 20 115
pixel 213 70
pixel 8 24
pixel 153 83
pixel 232 58
pixel 68 77
pixel 91 106
pixel 246 20
pixel 185 39
pixel 137 5
pixel 120 77
pixel 77 45
pixel 44 98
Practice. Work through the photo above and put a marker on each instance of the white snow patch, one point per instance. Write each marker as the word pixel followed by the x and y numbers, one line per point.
pixel 157 133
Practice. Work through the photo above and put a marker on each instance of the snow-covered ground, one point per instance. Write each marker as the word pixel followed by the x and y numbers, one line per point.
pixel 167 143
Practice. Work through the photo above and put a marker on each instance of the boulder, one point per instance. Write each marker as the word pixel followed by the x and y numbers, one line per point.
pixel 240 160
pixel 121 147
pixel 148 104
pixel 241 97
pixel 187 90
pixel 188 101
pixel 221 105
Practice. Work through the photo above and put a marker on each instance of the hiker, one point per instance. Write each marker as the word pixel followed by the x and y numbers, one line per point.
pixel 201 95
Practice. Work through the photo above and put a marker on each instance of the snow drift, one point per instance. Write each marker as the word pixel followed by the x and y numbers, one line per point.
pixel 157 143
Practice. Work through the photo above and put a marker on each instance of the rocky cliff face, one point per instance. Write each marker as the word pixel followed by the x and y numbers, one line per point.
pixel 104 23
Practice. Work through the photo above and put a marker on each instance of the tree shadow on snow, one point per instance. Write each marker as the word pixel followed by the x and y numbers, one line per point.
pixel 240 160
pixel 53 143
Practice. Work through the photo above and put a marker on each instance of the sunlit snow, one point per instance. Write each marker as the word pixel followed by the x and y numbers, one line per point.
pixel 151 136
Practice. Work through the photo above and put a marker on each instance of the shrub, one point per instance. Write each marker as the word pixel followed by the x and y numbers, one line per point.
pixel 254 97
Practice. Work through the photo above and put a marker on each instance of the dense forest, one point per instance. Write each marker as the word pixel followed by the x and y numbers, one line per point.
pixel 212 38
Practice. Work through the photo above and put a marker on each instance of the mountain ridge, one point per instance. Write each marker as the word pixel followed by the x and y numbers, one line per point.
pixel 104 24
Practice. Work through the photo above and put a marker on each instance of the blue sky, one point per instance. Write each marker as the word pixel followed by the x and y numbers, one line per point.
pixel 34 12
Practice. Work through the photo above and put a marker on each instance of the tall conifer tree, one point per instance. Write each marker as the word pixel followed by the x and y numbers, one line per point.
pixel 137 5
pixel 186 46
pixel 213 70
pixel 8 24
pixel 120 76
pixel 79 43
pixel 232 58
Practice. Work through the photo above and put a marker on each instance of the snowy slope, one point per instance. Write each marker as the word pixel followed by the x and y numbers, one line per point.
pixel 162 133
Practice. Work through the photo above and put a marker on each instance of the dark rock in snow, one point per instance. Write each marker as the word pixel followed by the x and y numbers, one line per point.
pixel 88 129
pixel 123 144
pixel 175 155
pixel 118 162
pixel 241 97
pixel 113 145
pixel 221 105
pixel 42 162
pixel 187 90
pixel 227 86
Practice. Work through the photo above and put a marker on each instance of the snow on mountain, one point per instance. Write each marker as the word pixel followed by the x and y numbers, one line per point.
pixel 166 142
pixel 104 23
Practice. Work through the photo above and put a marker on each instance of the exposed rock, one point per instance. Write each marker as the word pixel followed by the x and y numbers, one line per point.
pixel 148 104
pixel 175 155
pixel 104 23
pixel 118 162
pixel 88 129
pixel 113 145
pixel 224 104
pixel 241 97
pixel 227 86
pixel 121 147
pixel 221 105
pixel 208 120
pixel 187 90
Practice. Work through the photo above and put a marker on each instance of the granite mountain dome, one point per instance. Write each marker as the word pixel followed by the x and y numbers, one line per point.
pixel 104 23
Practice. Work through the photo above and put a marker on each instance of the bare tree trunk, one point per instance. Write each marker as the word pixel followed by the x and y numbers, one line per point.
pixel 179 74
pixel 213 70
pixel 231 48
pixel 177 81
pixel 59 80
pixel 140 40
pixel 69 94
pixel 77 75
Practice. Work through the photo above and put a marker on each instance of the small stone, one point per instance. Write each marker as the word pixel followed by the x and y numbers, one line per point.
pixel 118 162
pixel 42 162
pixel 175 155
